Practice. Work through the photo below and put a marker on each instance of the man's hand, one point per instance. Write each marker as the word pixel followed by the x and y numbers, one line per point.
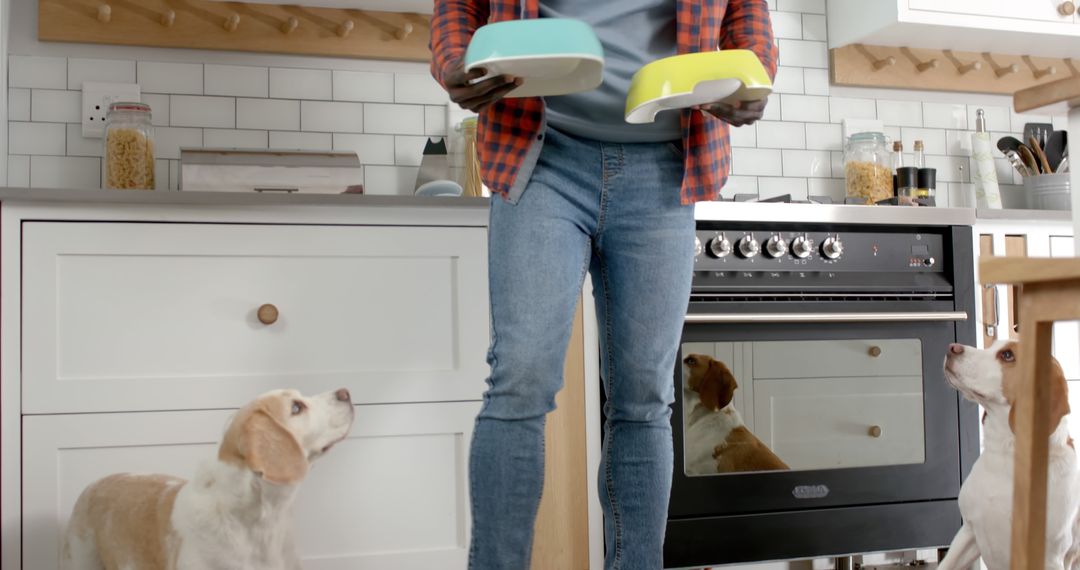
pixel 739 114
pixel 478 96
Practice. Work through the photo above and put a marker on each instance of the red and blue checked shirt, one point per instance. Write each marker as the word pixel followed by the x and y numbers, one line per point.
pixel 510 127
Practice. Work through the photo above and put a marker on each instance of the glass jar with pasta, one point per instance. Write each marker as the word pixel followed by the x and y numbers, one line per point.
pixel 867 174
pixel 129 147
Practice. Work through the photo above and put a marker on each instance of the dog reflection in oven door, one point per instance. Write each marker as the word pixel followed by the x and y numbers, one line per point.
pixel 716 439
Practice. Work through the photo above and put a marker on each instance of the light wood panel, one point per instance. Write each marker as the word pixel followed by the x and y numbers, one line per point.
pixel 1062 91
pixel 1015 247
pixel 1051 293
pixel 899 68
pixel 562 530
pixel 237 26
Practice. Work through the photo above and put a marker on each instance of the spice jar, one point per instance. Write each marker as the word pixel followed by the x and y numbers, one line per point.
pixel 129 147
pixel 869 177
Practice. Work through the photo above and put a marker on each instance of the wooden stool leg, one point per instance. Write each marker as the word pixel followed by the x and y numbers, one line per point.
pixel 1032 439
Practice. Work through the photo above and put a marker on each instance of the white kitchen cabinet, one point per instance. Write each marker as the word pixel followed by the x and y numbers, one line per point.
pixel 841 358
pixel 129 333
pixel 1033 27
pixel 392 495
pixel 130 317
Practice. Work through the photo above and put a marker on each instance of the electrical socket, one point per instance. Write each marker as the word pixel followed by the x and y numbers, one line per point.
pixel 96 98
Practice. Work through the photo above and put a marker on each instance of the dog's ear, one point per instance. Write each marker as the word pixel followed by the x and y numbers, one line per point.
pixel 717 386
pixel 1059 398
pixel 272 450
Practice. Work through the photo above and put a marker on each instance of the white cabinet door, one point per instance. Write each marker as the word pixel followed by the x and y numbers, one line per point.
pixel 1067 334
pixel 1042 10
pixel 828 423
pixel 147 317
pixel 393 496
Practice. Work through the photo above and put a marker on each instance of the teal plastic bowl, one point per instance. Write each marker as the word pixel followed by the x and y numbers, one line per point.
pixel 553 56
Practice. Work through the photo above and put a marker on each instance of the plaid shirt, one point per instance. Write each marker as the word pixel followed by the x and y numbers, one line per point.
pixel 509 128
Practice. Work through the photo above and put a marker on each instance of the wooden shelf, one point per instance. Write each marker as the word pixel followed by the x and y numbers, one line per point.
pixel 944 70
pixel 237 26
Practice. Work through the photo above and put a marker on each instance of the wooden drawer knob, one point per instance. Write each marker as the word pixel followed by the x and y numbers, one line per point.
pixel 875 431
pixel 875 351
pixel 1067 8
pixel 268 314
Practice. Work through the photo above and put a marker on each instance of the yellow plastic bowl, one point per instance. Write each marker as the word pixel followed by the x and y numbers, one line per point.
pixel 683 81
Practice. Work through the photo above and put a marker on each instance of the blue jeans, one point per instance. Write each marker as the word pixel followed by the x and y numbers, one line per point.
pixel 611 210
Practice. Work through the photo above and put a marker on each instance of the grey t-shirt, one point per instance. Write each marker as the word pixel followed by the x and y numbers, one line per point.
pixel 633 33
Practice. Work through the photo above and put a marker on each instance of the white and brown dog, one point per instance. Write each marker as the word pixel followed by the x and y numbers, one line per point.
pixel 990 378
pixel 234 514
pixel 716 439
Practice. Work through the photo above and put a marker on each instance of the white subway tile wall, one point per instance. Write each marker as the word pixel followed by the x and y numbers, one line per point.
pixel 386 118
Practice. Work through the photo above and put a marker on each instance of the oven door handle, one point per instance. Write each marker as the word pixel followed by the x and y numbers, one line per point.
pixel 897 317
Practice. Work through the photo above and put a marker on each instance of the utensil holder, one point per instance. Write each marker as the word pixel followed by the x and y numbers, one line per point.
pixel 1048 192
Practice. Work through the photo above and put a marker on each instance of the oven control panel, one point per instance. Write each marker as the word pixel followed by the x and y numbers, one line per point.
pixel 773 250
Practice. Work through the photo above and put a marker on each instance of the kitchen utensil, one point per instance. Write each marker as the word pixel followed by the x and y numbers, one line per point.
pixel 553 56
pixel 984 174
pixel 434 164
pixel 1010 147
pixel 1055 148
pixel 1041 132
pixel 684 81
pixel 1037 150
pixel 1029 160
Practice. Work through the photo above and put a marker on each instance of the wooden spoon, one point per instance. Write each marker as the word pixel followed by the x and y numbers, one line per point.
pixel 1038 152
pixel 1029 159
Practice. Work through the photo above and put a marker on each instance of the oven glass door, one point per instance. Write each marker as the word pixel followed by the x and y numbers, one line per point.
pixel 804 415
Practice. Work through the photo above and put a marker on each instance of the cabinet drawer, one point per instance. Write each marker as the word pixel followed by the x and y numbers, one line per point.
pixel 392 495
pixel 130 317
pixel 841 358
pixel 828 423
pixel 1039 10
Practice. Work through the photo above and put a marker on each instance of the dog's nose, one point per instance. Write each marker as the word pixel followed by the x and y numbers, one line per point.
pixel 343 395
pixel 956 348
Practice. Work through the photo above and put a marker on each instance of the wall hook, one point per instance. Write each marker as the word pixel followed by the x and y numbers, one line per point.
pixel 1035 71
pixel 404 31
pixel 232 22
pixel 104 13
pixel 290 25
pixel 345 28
pixel 168 18
pixel 922 66
pixel 1000 70
pixel 961 67
pixel 878 64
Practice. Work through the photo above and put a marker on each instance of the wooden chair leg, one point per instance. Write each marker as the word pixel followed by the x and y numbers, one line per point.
pixel 1032 439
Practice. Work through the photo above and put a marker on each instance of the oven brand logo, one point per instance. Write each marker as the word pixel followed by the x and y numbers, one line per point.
pixel 810 492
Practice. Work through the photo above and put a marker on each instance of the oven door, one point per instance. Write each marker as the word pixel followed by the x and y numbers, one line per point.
pixel 830 409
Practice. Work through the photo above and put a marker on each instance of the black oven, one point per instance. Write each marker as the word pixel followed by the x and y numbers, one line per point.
pixel 835 336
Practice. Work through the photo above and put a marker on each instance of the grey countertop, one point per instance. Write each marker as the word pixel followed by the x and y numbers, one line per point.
pixel 473 207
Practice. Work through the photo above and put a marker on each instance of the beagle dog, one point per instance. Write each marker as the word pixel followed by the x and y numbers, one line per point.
pixel 232 515
pixel 990 378
pixel 717 440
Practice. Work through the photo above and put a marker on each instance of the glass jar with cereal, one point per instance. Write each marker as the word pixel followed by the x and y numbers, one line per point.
pixel 129 147
pixel 868 176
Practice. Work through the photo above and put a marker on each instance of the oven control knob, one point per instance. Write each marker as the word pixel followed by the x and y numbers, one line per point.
pixel 802 247
pixel 720 246
pixel 776 246
pixel 749 247
pixel 697 246
pixel 832 247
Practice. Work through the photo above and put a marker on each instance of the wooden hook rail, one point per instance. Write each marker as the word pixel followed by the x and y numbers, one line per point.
pixel 237 26
pixel 942 70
